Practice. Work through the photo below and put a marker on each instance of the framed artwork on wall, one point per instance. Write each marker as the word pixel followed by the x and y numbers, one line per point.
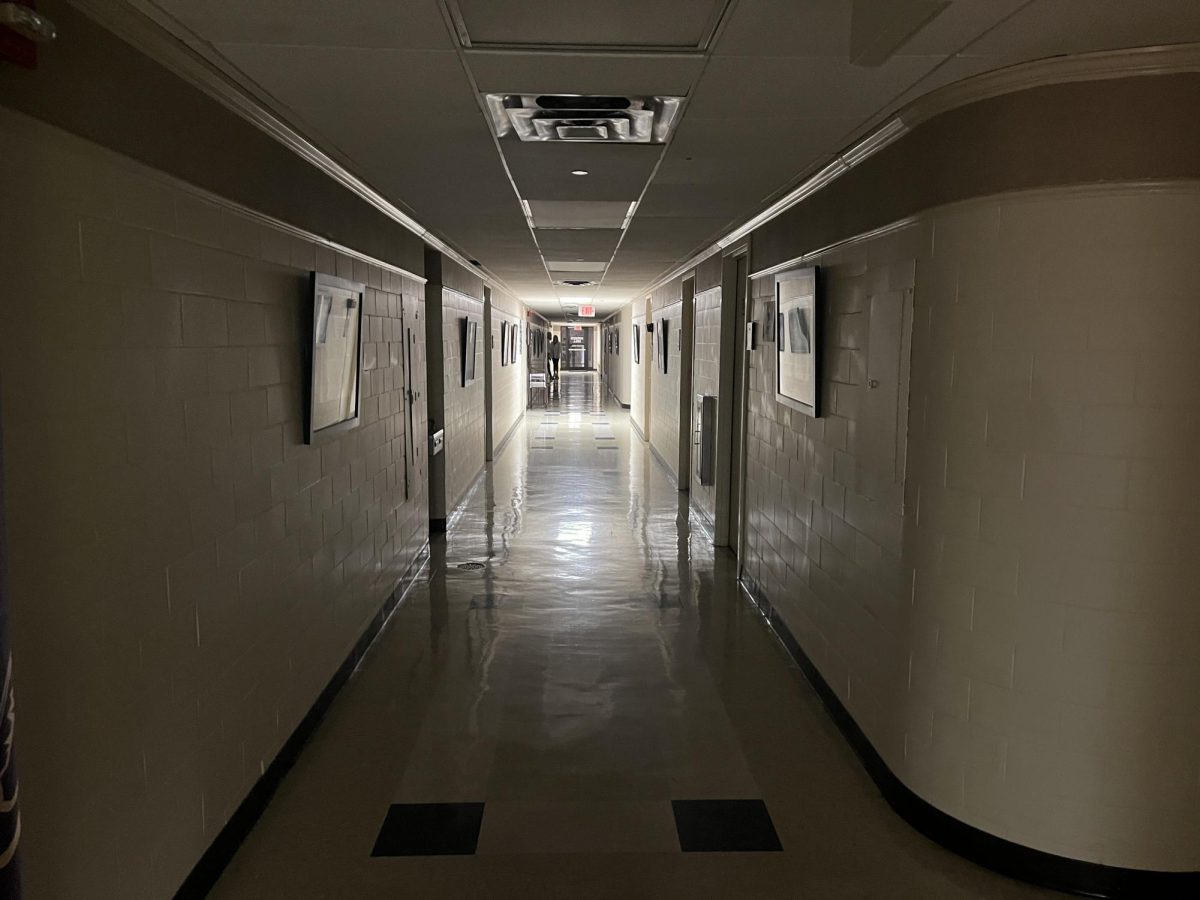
pixel 335 356
pixel 470 341
pixel 616 342
pixel 798 345
pixel 637 345
pixel 515 342
pixel 504 339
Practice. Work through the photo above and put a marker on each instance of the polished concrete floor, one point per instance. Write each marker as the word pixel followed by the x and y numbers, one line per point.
pixel 522 727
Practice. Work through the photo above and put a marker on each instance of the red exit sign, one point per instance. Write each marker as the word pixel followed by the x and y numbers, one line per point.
pixel 587 312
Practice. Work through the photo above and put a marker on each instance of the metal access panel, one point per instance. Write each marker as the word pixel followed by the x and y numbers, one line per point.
pixel 705 439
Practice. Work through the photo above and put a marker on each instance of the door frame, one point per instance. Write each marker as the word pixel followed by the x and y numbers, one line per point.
pixel 730 471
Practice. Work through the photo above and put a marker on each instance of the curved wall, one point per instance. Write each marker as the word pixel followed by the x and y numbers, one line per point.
pixel 995 577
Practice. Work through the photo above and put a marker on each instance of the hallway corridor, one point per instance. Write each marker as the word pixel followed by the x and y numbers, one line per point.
pixel 577 660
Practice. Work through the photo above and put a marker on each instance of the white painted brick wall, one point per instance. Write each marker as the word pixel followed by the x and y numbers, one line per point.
pixel 1016 633
pixel 186 572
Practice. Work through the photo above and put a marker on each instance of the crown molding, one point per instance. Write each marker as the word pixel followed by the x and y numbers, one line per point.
pixel 152 31
pixel 1102 65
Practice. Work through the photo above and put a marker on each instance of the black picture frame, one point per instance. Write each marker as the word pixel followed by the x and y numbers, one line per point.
pixel 327 416
pixel 470 343
pixel 637 345
pixel 504 339
pixel 798 351
pixel 663 330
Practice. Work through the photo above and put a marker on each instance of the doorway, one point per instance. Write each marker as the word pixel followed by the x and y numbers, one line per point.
pixel 687 341
pixel 731 411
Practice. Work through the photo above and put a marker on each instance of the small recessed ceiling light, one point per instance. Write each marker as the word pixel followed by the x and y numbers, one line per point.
pixel 579 171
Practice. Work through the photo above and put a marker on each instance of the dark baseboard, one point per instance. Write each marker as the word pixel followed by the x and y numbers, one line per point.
pixel 665 465
pixel 702 519
pixel 504 441
pixel 1036 866
pixel 219 854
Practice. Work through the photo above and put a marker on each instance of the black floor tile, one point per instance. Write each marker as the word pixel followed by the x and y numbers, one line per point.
pixel 711 826
pixel 429 829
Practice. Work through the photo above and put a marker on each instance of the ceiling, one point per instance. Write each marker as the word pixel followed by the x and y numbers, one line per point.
pixel 394 90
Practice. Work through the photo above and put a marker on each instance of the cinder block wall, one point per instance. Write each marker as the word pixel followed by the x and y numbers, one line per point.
pixel 638 395
pixel 510 379
pixel 186 573
pixel 664 420
pixel 1000 583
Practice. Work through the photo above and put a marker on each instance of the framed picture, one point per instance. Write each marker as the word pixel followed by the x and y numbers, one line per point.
pixel 768 329
pixel 470 341
pixel 617 341
pixel 504 339
pixel 335 356
pixel 797 344
pixel 637 344
pixel 514 342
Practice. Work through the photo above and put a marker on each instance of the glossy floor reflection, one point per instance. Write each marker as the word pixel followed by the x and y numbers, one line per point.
pixel 598 666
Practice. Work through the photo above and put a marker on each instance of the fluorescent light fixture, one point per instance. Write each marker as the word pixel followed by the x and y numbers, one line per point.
pixel 629 215
pixel 579 171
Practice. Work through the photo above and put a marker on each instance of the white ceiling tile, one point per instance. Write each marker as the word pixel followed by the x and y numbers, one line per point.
pixel 365 23
pixel 566 265
pixel 584 243
pixel 542 171
pixel 579 213
pixel 412 85
pixel 801 87
pixel 583 73
pixel 613 23
pixel 787 28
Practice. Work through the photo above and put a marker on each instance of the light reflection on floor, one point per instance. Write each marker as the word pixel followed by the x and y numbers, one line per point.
pixel 600 666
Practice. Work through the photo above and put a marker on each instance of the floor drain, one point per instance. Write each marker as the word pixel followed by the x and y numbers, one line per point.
pixel 470 566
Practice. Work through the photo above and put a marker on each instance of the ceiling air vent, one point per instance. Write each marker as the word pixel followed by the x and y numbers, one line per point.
pixel 582 117
pixel 575 283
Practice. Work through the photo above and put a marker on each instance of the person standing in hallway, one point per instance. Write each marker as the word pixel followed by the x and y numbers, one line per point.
pixel 553 358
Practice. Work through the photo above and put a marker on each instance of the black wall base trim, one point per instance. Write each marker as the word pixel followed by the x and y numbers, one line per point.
pixel 666 466
pixel 504 441
pixel 1009 858
pixel 219 854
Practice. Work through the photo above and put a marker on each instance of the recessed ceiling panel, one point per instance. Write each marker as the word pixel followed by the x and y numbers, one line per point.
pixel 677 24
pixel 579 213
pixel 583 73
pixel 320 23
pixel 584 243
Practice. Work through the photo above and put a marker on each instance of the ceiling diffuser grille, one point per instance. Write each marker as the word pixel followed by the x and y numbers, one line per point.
pixel 580 117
